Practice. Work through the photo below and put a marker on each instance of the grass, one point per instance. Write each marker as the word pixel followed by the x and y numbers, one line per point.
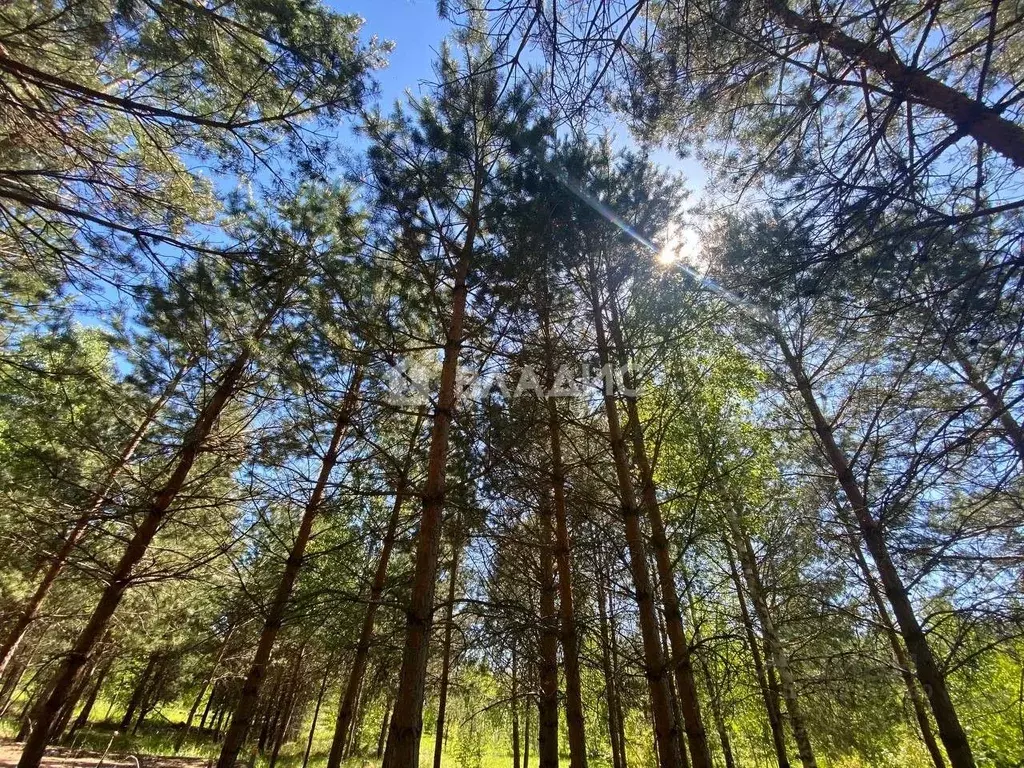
pixel 159 734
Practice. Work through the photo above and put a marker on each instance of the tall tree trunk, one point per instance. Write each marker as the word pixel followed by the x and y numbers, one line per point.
pixel 382 738
pixel 899 656
pixel 355 676
pixel 971 117
pixel 56 565
pixel 298 689
pixel 656 668
pixel 268 708
pixel 657 754
pixel 141 685
pixel 932 679
pixel 676 714
pixel 241 721
pixel 575 721
pixel 24 717
pixel 351 743
pixel 11 680
pixel 61 723
pixel 403 748
pixel 686 683
pixel 219 720
pixel 94 692
pixel 682 663
pixel 84 681
pixel 993 401
pixel 316 711
pixel 289 708
pixel 515 708
pixel 756 591
pixel 547 657
pixel 202 691
pixel 773 683
pixel 723 736
pixel 153 694
pixel 214 695
pixel 569 634
pixel 526 734
pixel 775 723
pixel 620 716
pixel 608 670
pixel 446 651
pixel 34 695
pixel 717 712
pixel 64 680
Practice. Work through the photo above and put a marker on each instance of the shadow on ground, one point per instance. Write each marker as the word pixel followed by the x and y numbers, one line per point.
pixel 63 757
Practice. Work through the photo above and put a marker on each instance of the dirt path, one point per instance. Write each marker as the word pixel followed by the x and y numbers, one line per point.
pixel 57 757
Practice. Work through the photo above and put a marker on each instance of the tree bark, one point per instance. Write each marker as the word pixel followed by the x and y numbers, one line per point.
pixel 608 669
pixel 267 709
pixel 526 735
pixel 900 657
pixel 775 723
pixel 654 661
pixel 756 591
pixel 569 636
pixel 718 714
pixel 202 691
pixel 214 695
pixel 932 679
pixel 153 694
pixel 406 727
pixel 971 117
pixel 384 722
pixel 281 732
pixel 241 721
pixel 993 401
pixel 446 652
pixel 773 683
pixel 620 716
pixel 135 701
pixel 723 737
pixel 64 680
pixel 355 677
pixel 547 701
pixel 676 714
pixel 56 566
pixel 686 683
pixel 682 663
pixel 316 711
pixel 90 701
pixel 60 724
pixel 219 716
pixel 23 717
pixel 351 742
pixel 515 709
pixel 13 677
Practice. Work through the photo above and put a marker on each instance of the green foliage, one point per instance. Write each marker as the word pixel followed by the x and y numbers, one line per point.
pixel 174 221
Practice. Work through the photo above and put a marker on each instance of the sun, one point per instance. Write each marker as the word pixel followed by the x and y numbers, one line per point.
pixel 681 244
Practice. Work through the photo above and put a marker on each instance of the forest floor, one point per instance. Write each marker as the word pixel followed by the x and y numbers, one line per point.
pixel 57 757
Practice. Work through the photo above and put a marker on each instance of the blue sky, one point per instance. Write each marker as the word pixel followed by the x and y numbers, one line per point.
pixel 416 30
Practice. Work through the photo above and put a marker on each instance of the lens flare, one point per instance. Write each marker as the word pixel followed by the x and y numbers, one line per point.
pixel 681 244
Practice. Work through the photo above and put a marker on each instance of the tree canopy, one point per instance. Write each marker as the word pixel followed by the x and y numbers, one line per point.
pixel 479 440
